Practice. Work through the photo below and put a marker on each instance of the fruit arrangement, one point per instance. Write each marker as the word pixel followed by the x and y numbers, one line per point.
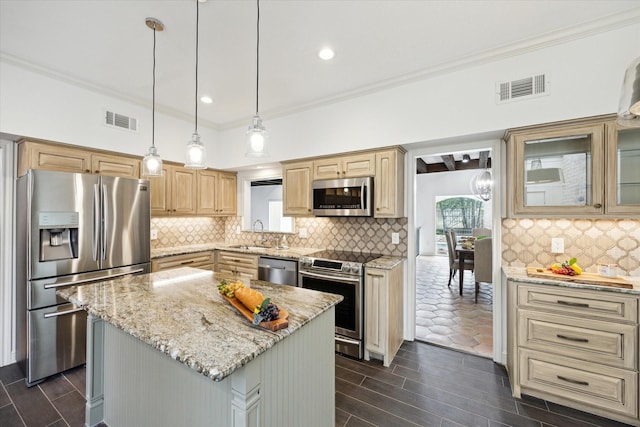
pixel 568 268
pixel 262 308
pixel 229 289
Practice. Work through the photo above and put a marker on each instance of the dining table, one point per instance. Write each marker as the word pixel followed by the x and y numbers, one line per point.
pixel 463 254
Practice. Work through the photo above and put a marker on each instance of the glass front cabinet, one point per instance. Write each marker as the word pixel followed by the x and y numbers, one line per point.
pixel 575 169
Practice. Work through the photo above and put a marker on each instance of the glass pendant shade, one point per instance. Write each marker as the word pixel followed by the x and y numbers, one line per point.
pixel 152 163
pixel 629 107
pixel 257 138
pixel 196 153
pixel 481 185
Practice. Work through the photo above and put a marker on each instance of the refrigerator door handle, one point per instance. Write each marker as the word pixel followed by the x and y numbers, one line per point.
pixel 63 313
pixel 92 279
pixel 96 221
pixel 105 221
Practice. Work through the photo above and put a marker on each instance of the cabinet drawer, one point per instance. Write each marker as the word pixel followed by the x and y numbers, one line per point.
pixel 590 304
pixel 592 340
pixel 203 260
pixel 590 385
pixel 238 259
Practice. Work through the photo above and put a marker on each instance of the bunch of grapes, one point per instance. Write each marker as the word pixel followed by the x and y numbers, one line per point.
pixel 265 312
pixel 564 269
pixel 228 289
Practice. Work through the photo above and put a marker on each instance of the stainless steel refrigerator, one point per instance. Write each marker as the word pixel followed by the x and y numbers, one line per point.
pixel 71 229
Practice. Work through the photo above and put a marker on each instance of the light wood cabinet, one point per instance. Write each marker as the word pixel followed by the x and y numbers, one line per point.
pixel 203 260
pixel 217 193
pixel 575 347
pixel 244 266
pixel 383 312
pixel 351 166
pixel 389 184
pixel 580 168
pixel 175 192
pixel 66 158
pixel 296 189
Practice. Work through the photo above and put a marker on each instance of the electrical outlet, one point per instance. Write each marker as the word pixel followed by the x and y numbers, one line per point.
pixel 302 233
pixel 557 245
pixel 154 234
pixel 395 238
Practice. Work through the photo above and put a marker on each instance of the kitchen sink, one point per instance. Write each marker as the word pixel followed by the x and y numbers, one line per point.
pixel 251 248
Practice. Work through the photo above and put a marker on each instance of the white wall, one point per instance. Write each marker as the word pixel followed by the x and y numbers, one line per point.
pixel 585 79
pixel 7 291
pixel 430 185
pixel 41 106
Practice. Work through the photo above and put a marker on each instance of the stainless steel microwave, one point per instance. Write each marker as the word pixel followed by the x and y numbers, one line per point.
pixel 343 197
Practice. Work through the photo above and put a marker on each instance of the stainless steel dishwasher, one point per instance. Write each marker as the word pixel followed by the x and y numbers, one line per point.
pixel 278 270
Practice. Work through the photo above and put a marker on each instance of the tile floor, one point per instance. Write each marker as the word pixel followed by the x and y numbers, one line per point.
pixel 443 317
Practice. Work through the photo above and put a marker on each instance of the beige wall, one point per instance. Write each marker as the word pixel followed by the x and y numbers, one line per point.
pixel 527 242
pixel 353 234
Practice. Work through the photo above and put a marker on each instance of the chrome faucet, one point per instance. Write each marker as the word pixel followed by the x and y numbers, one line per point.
pixel 253 229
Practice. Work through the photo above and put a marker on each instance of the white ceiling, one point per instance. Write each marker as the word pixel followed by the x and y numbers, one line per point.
pixel 105 45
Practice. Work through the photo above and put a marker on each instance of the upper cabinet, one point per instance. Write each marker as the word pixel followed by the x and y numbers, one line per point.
pixel 217 193
pixel 66 158
pixel 561 169
pixel 623 164
pixel 175 192
pixel 385 165
pixel 296 188
pixel 345 167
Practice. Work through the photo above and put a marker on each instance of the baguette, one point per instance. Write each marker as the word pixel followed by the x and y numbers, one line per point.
pixel 250 298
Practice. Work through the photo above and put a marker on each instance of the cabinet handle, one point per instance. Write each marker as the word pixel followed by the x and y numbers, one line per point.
pixel 573 304
pixel 569 380
pixel 597 205
pixel 564 337
pixel 186 262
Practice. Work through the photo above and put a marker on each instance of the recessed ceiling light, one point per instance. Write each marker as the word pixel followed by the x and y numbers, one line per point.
pixel 326 53
pixel 206 99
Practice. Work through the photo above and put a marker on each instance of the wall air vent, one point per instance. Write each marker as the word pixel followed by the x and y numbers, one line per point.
pixel 525 88
pixel 120 121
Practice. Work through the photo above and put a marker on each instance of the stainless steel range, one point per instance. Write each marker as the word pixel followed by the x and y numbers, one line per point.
pixel 340 272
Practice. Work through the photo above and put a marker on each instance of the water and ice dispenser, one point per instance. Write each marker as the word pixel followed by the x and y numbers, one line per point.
pixel 58 235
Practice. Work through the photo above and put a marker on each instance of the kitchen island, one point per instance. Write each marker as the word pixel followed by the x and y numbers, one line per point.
pixel 166 349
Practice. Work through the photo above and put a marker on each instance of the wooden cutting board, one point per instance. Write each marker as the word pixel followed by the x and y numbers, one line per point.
pixel 274 325
pixel 588 278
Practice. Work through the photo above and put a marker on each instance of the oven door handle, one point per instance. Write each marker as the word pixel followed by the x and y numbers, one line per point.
pixel 328 276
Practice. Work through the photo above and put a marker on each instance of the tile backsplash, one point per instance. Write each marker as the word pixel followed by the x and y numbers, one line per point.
pixel 353 234
pixel 527 242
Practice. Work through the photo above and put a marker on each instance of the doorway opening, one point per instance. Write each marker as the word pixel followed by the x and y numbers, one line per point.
pixel 445 201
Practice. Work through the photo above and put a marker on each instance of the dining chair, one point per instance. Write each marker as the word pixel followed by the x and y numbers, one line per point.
pixel 481 232
pixel 454 262
pixel 483 262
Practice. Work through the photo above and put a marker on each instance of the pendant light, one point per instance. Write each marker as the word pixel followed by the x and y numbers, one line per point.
pixel 152 163
pixel 196 152
pixel 481 185
pixel 629 107
pixel 257 135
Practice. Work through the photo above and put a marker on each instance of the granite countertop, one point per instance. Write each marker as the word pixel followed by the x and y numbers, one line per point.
pixel 520 274
pixel 180 313
pixel 385 262
pixel 292 253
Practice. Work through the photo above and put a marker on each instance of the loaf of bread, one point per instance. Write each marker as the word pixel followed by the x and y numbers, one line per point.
pixel 250 298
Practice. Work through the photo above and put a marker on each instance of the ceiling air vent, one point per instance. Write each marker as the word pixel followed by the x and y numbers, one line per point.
pixel 120 121
pixel 528 87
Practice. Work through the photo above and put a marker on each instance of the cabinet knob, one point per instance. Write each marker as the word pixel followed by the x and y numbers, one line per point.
pixel 597 205
pixel 88 170
pixel 378 209
pixel 97 171
pixel 338 172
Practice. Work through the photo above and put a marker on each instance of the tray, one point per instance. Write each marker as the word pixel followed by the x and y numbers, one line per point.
pixel 587 278
pixel 274 325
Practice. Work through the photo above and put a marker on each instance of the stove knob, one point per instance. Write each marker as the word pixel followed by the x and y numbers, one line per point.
pixel 305 262
pixel 355 268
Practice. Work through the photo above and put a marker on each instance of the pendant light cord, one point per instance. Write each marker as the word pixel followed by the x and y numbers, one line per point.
pixel 153 108
pixel 257 56
pixel 197 26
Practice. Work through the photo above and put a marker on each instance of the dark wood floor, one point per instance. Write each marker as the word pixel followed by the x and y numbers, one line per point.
pixel 425 386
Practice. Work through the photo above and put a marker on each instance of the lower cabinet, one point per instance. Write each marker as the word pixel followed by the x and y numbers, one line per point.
pixel 245 266
pixel 203 260
pixel 575 347
pixel 383 290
